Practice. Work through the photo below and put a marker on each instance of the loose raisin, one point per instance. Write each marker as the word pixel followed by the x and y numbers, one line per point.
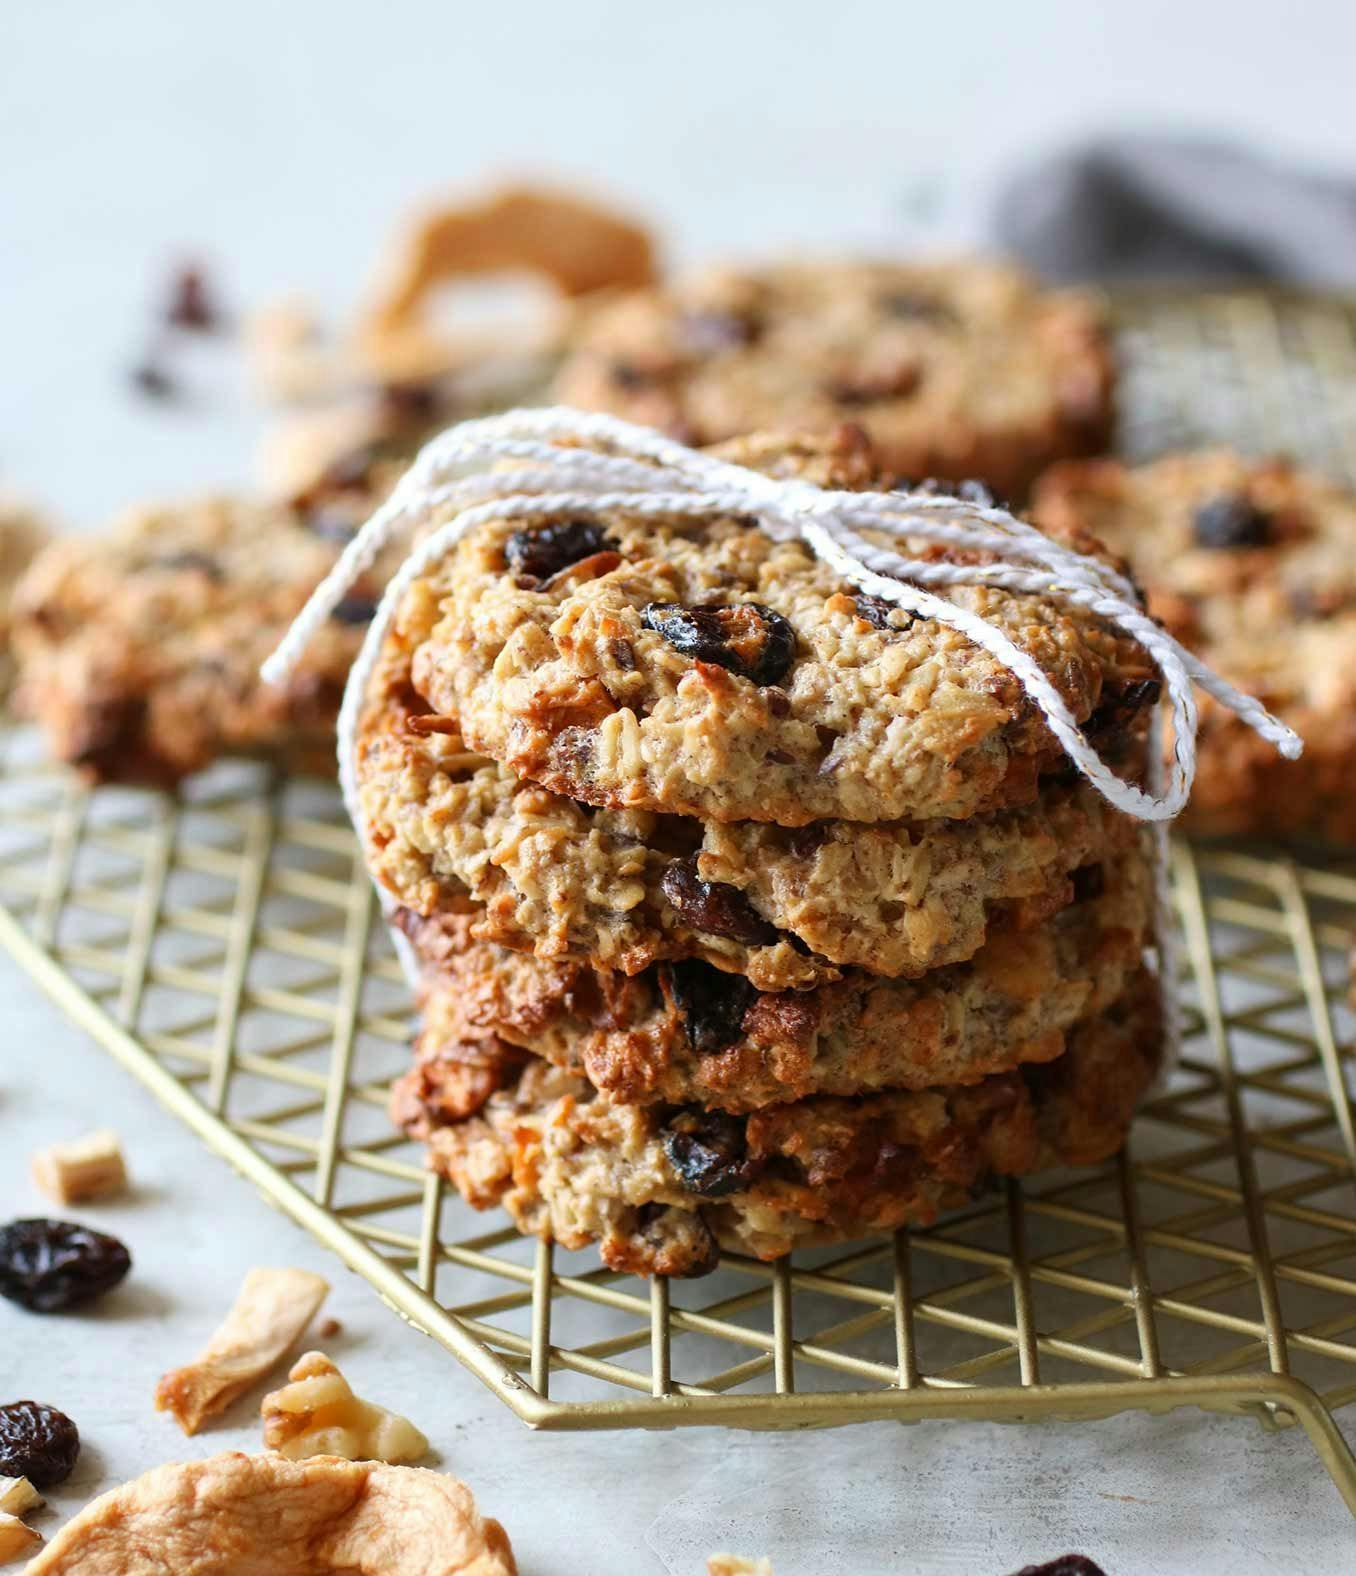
pixel 709 1151
pixel 354 610
pixel 744 637
pixel 52 1265
pixel 544 550
pixel 38 1443
pixel 153 380
pixel 1231 520
pixel 715 907
pixel 1065 1565
pixel 712 1003
pixel 190 302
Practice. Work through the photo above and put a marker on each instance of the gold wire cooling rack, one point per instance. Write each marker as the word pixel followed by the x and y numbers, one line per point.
pixel 225 947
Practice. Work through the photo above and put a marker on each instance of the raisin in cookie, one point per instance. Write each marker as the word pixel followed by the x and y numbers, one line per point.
pixel 1252 564
pixel 706 669
pixel 139 650
pixel 686 1032
pixel 663 1189
pixel 964 369
pixel 786 907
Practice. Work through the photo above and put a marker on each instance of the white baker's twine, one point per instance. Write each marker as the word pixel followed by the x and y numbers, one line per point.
pixel 1167 952
pixel 536 464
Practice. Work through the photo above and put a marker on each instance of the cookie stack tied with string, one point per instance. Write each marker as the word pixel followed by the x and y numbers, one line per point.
pixel 772 850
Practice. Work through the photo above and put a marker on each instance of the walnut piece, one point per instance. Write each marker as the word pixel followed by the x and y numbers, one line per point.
pixel 236 1515
pixel 273 1308
pixel 737 1565
pixel 81 1169
pixel 18 1496
pixel 17 1541
pixel 317 1414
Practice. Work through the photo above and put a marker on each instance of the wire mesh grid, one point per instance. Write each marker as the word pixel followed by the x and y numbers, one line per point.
pixel 224 944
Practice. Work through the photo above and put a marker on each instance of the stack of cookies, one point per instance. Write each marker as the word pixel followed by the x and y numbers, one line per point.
pixel 752 910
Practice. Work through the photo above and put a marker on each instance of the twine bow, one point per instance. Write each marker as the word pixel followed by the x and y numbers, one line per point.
pixel 518 467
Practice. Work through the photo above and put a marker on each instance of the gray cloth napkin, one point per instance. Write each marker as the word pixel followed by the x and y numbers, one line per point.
pixel 1144 208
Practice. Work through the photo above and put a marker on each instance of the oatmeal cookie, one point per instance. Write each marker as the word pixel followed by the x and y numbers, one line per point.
pixel 663 1189
pixel 961 369
pixel 686 1032
pixel 705 669
pixel 622 888
pixel 1252 564
pixel 139 650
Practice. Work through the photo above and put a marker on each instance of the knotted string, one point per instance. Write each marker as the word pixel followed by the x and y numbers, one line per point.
pixel 518 467
pixel 539 464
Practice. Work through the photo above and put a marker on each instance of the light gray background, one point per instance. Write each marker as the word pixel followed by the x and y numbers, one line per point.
pixel 279 140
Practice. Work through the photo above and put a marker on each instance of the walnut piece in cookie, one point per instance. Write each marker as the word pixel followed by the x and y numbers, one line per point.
pixel 954 369
pixel 82 1168
pixel 737 1565
pixel 1250 564
pixel 317 1414
pixel 590 684
pixel 230 1515
pixel 272 1309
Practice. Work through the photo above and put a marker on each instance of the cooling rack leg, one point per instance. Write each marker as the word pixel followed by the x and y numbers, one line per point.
pixel 1326 1438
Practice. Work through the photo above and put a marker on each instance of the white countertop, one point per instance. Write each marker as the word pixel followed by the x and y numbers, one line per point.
pixel 279 143
pixel 1185 1495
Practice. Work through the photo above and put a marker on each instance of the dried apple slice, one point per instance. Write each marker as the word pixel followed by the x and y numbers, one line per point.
pixel 272 1310
pixel 236 1515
